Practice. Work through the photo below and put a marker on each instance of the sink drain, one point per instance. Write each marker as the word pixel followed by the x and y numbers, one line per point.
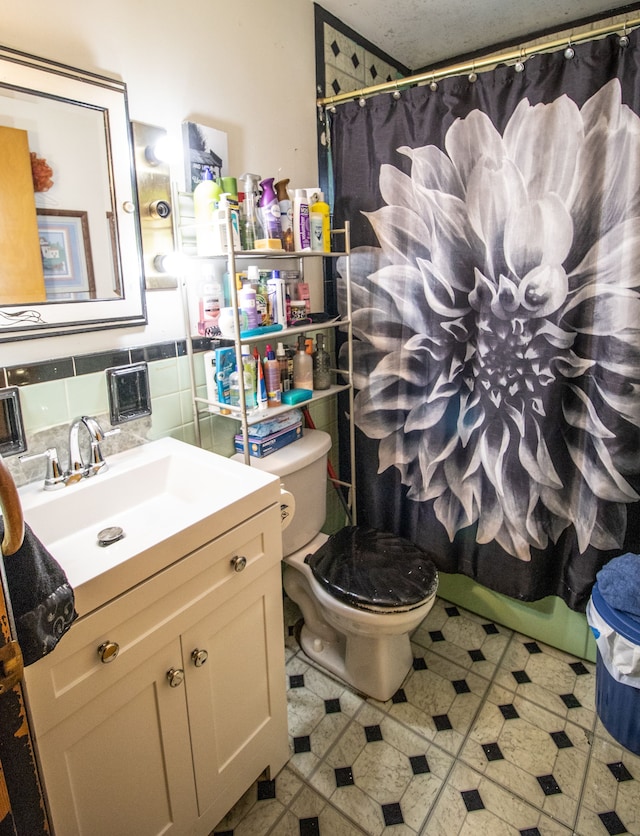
pixel 110 535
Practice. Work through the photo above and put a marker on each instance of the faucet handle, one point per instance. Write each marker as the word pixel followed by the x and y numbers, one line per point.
pixel 97 459
pixel 54 477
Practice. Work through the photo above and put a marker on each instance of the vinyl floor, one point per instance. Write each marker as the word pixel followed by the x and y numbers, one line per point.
pixel 491 733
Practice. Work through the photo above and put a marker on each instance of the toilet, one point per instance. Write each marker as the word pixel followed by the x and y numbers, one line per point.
pixel 361 592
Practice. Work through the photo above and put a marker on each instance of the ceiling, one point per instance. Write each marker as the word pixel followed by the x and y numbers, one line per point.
pixel 422 33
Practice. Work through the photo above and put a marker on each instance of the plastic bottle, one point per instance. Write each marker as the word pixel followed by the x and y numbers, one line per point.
pixel 270 213
pixel 262 299
pixel 249 366
pixel 248 379
pixel 283 366
pixel 272 378
pixel 206 196
pixel 229 204
pixel 321 365
pixel 301 238
pixel 261 388
pixel 319 207
pixel 302 367
pixel 250 226
pixel 247 301
pixel 286 214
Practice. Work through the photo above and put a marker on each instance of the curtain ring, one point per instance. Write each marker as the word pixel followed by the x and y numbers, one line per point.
pixel 362 101
pixel 569 51
pixel 473 75
pixel 396 93
pixel 623 40
pixel 434 85
pixel 519 65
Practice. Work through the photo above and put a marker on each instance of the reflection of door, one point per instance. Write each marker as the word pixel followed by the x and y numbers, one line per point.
pixel 22 280
pixel 22 810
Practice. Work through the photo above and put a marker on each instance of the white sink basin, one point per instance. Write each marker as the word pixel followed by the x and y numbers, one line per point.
pixel 168 497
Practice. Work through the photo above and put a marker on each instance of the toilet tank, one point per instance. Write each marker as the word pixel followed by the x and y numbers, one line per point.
pixel 302 468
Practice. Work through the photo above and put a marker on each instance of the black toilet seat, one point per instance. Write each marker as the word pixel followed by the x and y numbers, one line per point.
pixel 374 570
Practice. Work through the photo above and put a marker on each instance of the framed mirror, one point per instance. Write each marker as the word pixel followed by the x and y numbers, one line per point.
pixel 70 250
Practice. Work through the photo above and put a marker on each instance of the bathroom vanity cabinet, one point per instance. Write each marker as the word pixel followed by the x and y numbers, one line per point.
pixel 161 707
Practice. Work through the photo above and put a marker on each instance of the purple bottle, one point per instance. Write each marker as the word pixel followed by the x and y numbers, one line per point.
pixel 269 208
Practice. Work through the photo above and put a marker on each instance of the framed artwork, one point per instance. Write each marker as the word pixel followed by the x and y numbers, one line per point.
pixel 66 254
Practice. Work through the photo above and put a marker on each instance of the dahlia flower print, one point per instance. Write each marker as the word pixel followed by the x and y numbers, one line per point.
pixel 497 325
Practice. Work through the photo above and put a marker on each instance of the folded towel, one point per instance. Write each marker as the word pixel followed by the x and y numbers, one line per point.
pixel 41 598
pixel 619 583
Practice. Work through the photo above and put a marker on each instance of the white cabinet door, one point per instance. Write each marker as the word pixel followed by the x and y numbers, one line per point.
pixel 237 698
pixel 122 763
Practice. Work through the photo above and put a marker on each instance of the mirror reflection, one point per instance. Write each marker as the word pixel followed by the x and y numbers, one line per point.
pixel 68 229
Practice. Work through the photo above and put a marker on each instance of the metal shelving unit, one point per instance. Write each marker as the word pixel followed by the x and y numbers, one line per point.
pixel 184 228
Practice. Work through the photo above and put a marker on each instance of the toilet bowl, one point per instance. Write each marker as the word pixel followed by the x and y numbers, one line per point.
pixel 361 592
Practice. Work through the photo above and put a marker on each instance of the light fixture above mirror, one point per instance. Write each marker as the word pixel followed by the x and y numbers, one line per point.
pixel 153 175
pixel 72 209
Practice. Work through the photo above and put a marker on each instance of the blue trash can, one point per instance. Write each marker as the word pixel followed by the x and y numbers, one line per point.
pixel 617 670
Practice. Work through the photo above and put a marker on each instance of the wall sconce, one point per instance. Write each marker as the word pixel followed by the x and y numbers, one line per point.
pixel 153 177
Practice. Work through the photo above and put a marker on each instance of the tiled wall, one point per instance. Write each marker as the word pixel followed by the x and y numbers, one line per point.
pixel 346 61
pixel 55 392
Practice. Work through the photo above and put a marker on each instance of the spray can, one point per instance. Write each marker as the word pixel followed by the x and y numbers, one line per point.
pixel 301 237
pixel 286 214
pixel 270 211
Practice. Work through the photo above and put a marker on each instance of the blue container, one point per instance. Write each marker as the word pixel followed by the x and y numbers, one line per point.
pixel 617 704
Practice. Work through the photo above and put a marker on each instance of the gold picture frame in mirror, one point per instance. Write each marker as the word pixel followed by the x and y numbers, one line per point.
pixel 69 227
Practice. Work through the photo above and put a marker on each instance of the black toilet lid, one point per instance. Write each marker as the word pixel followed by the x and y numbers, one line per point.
pixel 367 568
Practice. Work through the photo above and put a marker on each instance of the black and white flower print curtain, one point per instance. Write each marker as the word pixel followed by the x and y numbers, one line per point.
pixel 496 276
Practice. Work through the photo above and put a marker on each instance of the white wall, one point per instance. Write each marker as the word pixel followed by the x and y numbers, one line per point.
pixel 245 67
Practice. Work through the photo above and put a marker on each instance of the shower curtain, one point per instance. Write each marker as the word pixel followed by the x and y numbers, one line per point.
pixel 495 227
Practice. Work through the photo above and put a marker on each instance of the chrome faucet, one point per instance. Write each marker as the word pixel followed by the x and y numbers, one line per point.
pixel 78 468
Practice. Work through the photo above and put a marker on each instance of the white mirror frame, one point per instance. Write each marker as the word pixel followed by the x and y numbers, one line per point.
pixel 36 76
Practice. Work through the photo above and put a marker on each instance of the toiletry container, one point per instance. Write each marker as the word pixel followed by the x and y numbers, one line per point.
pixel 302 366
pixel 319 212
pixel 272 377
pixel 210 238
pixel 270 213
pixel 301 234
pixel 361 592
pixel 250 226
pixel 286 214
pixel 321 365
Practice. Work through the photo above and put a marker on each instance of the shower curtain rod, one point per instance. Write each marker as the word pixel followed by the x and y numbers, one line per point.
pixel 480 63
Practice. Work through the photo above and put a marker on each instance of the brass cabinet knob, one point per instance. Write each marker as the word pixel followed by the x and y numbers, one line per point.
pixel 199 657
pixel 239 563
pixel 175 677
pixel 108 652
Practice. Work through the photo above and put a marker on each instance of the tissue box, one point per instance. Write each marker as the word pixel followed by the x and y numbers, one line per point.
pixel 259 447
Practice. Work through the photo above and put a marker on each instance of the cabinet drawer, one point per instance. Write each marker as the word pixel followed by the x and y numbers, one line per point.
pixel 148 617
